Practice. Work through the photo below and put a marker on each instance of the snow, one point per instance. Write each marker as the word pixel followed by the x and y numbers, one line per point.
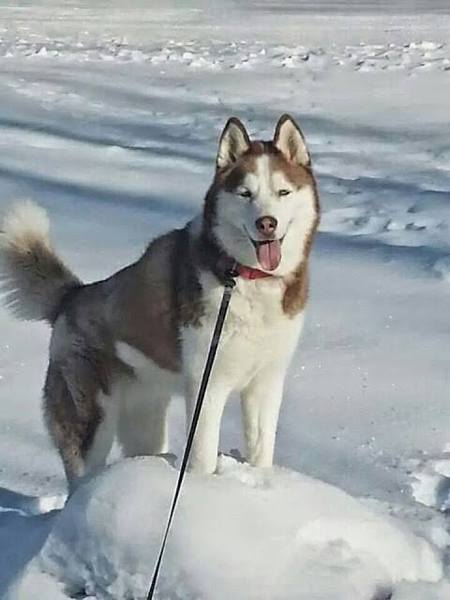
pixel 110 117
pixel 431 481
pixel 245 533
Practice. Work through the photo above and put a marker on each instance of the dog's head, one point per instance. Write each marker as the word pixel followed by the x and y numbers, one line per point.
pixel 262 207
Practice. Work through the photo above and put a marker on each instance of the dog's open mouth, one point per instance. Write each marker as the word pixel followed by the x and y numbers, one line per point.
pixel 268 253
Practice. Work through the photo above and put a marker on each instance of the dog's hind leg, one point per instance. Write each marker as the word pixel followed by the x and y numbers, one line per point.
pixel 143 427
pixel 144 404
pixel 82 423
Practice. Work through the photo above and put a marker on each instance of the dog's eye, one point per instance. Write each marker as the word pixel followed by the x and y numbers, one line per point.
pixel 284 192
pixel 245 193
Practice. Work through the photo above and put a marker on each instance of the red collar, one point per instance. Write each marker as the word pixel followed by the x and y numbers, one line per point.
pixel 251 273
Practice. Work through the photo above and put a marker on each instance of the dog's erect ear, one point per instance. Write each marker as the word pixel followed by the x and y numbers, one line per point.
pixel 289 140
pixel 234 141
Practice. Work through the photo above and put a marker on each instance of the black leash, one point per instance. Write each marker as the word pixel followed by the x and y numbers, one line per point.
pixel 229 285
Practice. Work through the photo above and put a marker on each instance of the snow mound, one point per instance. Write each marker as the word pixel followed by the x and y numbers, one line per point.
pixel 243 534
pixel 424 591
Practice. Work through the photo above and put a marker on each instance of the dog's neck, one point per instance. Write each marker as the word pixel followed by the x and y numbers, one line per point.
pixel 251 273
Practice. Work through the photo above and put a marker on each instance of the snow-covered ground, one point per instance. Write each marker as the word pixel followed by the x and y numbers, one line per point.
pixel 110 113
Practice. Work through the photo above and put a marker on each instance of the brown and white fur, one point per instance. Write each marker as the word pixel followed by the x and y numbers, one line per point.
pixel 121 347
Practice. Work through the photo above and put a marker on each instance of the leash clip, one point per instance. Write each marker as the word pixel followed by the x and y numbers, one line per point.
pixel 230 276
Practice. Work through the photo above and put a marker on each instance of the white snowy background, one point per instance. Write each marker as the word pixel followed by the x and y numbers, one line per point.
pixel 109 118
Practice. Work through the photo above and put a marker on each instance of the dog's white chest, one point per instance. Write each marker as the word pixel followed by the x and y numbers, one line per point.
pixel 256 332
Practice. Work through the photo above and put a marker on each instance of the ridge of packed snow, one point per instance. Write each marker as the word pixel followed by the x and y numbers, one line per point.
pixel 412 56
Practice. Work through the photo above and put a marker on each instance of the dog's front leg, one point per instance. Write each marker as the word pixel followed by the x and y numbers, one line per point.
pixel 261 400
pixel 206 442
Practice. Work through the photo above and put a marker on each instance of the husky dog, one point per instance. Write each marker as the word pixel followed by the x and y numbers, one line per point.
pixel 121 347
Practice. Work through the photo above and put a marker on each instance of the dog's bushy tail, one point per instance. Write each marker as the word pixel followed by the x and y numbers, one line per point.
pixel 33 278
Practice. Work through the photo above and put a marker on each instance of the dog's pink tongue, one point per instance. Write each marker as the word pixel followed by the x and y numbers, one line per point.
pixel 269 255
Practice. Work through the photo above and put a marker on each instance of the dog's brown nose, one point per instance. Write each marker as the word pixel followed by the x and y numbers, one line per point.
pixel 266 225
